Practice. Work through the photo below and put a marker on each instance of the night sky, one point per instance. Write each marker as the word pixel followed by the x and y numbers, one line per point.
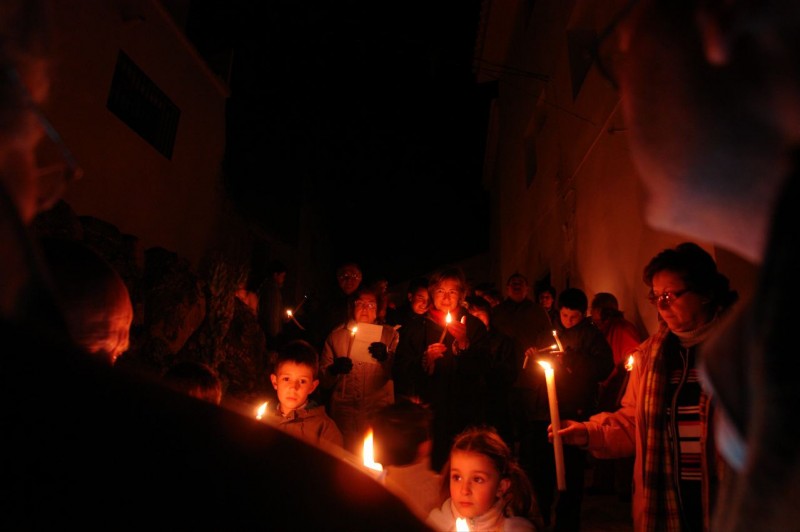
pixel 369 111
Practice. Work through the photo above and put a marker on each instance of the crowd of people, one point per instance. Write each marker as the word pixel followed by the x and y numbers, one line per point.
pixel 705 408
pixel 470 363
pixel 457 371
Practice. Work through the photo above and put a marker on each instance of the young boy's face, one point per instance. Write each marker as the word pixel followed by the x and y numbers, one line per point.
pixel 570 317
pixel 293 382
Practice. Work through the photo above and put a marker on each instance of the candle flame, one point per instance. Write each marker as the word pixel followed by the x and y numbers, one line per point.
pixel 558 342
pixel 545 364
pixel 461 525
pixel 369 453
pixel 629 363
pixel 448 318
pixel 353 331
pixel 261 410
pixel 289 312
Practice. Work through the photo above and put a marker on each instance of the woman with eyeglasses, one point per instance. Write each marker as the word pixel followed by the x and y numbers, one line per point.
pixel 665 414
pixel 358 381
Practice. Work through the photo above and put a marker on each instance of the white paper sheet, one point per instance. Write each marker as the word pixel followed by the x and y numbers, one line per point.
pixel 366 333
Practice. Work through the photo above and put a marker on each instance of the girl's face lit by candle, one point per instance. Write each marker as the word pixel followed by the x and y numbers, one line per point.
pixel 447 296
pixel 475 483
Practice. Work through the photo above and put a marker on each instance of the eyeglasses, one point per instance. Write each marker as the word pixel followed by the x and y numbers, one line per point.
pixel 441 292
pixel 53 177
pixel 349 276
pixel 366 305
pixel 666 298
pixel 605 55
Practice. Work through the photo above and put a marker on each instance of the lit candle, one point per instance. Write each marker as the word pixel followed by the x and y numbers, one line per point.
pixel 461 525
pixel 352 337
pixel 368 454
pixel 629 363
pixel 447 320
pixel 624 385
pixel 550 349
pixel 291 316
pixel 555 421
pixel 558 342
pixel 261 410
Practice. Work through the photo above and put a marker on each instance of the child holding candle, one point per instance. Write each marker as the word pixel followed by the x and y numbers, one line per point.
pixel 483 484
pixel 294 379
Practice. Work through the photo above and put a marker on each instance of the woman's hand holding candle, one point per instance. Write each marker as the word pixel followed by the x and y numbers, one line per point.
pixel 431 355
pixel 571 433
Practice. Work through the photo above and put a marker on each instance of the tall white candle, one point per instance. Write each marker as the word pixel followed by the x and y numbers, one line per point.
pixel 555 421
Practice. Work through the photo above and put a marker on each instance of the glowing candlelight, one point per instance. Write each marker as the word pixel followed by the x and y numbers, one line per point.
pixel 558 342
pixel 549 349
pixel 261 410
pixel 447 320
pixel 291 317
pixel 369 453
pixel 461 525
pixel 555 421
pixel 352 337
pixel 629 363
